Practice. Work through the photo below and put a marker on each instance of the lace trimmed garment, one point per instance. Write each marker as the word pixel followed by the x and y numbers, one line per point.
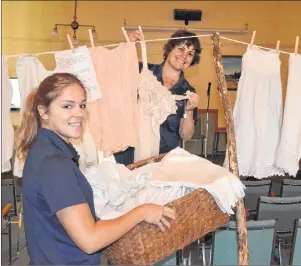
pixel 155 104
pixel 289 149
pixel 258 113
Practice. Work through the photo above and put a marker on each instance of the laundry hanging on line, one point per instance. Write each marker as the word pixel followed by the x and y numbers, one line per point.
pixel 164 39
pixel 7 130
pixel 258 114
pixel 167 39
pixel 79 63
pixel 113 118
pixel 289 150
pixel 30 72
pixel 155 103
pixel 118 110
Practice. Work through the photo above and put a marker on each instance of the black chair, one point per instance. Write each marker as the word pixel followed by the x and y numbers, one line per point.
pixel 254 190
pixel 291 188
pixel 295 258
pixel 261 235
pixel 8 194
pixel 285 211
pixel 195 144
pixel 6 227
pixel 215 150
pixel 18 183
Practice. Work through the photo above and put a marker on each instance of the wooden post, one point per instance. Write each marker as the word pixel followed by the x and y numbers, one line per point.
pixel 243 251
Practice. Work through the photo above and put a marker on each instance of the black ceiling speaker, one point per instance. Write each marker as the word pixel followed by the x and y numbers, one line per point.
pixel 187 15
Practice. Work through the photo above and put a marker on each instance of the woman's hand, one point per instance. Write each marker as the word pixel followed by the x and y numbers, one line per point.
pixel 192 102
pixel 136 36
pixel 156 214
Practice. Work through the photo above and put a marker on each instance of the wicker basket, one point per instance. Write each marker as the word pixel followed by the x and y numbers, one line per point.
pixel 196 215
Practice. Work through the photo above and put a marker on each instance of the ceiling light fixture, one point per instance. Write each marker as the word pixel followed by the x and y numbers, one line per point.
pixel 74 25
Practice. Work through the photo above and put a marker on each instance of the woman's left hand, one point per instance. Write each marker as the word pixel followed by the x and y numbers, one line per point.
pixel 192 102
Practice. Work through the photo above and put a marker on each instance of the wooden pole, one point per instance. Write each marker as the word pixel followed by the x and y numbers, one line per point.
pixel 243 251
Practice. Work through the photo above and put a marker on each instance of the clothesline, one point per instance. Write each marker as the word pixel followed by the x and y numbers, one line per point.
pixel 157 40
pixel 116 44
pixel 256 45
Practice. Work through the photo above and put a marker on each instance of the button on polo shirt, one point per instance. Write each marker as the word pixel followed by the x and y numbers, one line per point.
pixel 52 181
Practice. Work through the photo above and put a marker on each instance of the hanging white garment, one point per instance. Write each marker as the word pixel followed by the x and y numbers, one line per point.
pixel 30 73
pixel 117 190
pixel 289 150
pixel 7 132
pixel 87 150
pixel 258 113
pixel 155 104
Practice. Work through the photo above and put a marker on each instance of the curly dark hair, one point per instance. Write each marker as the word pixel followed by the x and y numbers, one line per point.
pixel 189 41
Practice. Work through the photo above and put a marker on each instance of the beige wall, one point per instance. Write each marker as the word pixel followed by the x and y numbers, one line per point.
pixel 31 32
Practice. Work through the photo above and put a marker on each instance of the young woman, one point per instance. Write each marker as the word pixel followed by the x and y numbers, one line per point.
pixel 59 217
pixel 179 55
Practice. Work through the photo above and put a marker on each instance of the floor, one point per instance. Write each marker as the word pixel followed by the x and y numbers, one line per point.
pixel 191 254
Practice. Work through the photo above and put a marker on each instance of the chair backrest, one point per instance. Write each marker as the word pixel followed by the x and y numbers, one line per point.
pixel 197 129
pixel 291 188
pixel 8 194
pixel 284 210
pixel 212 120
pixel 295 258
pixel 169 260
pixel 260 240
pixel 255 189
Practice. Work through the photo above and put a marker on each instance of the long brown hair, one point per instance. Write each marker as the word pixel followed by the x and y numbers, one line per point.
pixel 49 89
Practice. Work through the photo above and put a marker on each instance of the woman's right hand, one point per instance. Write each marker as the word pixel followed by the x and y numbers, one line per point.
pixel 136 36
pixel 157 214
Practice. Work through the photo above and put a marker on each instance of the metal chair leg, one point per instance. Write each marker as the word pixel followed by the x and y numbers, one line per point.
pixel 9 242
pixel 203 253
pixel 198 248
pixel 217 142
pixel 178 257
pixel 280 252
pixel 201 250
pixel 214 147
pixel 210 256
pixel 185 260
pixel 20 226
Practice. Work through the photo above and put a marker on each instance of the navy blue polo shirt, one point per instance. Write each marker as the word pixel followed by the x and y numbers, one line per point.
pixel 52 181
pixel 169 130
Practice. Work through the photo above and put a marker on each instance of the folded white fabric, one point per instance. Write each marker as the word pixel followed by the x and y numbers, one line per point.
pixel 191 171
pixel 178 174
pixel 112 183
